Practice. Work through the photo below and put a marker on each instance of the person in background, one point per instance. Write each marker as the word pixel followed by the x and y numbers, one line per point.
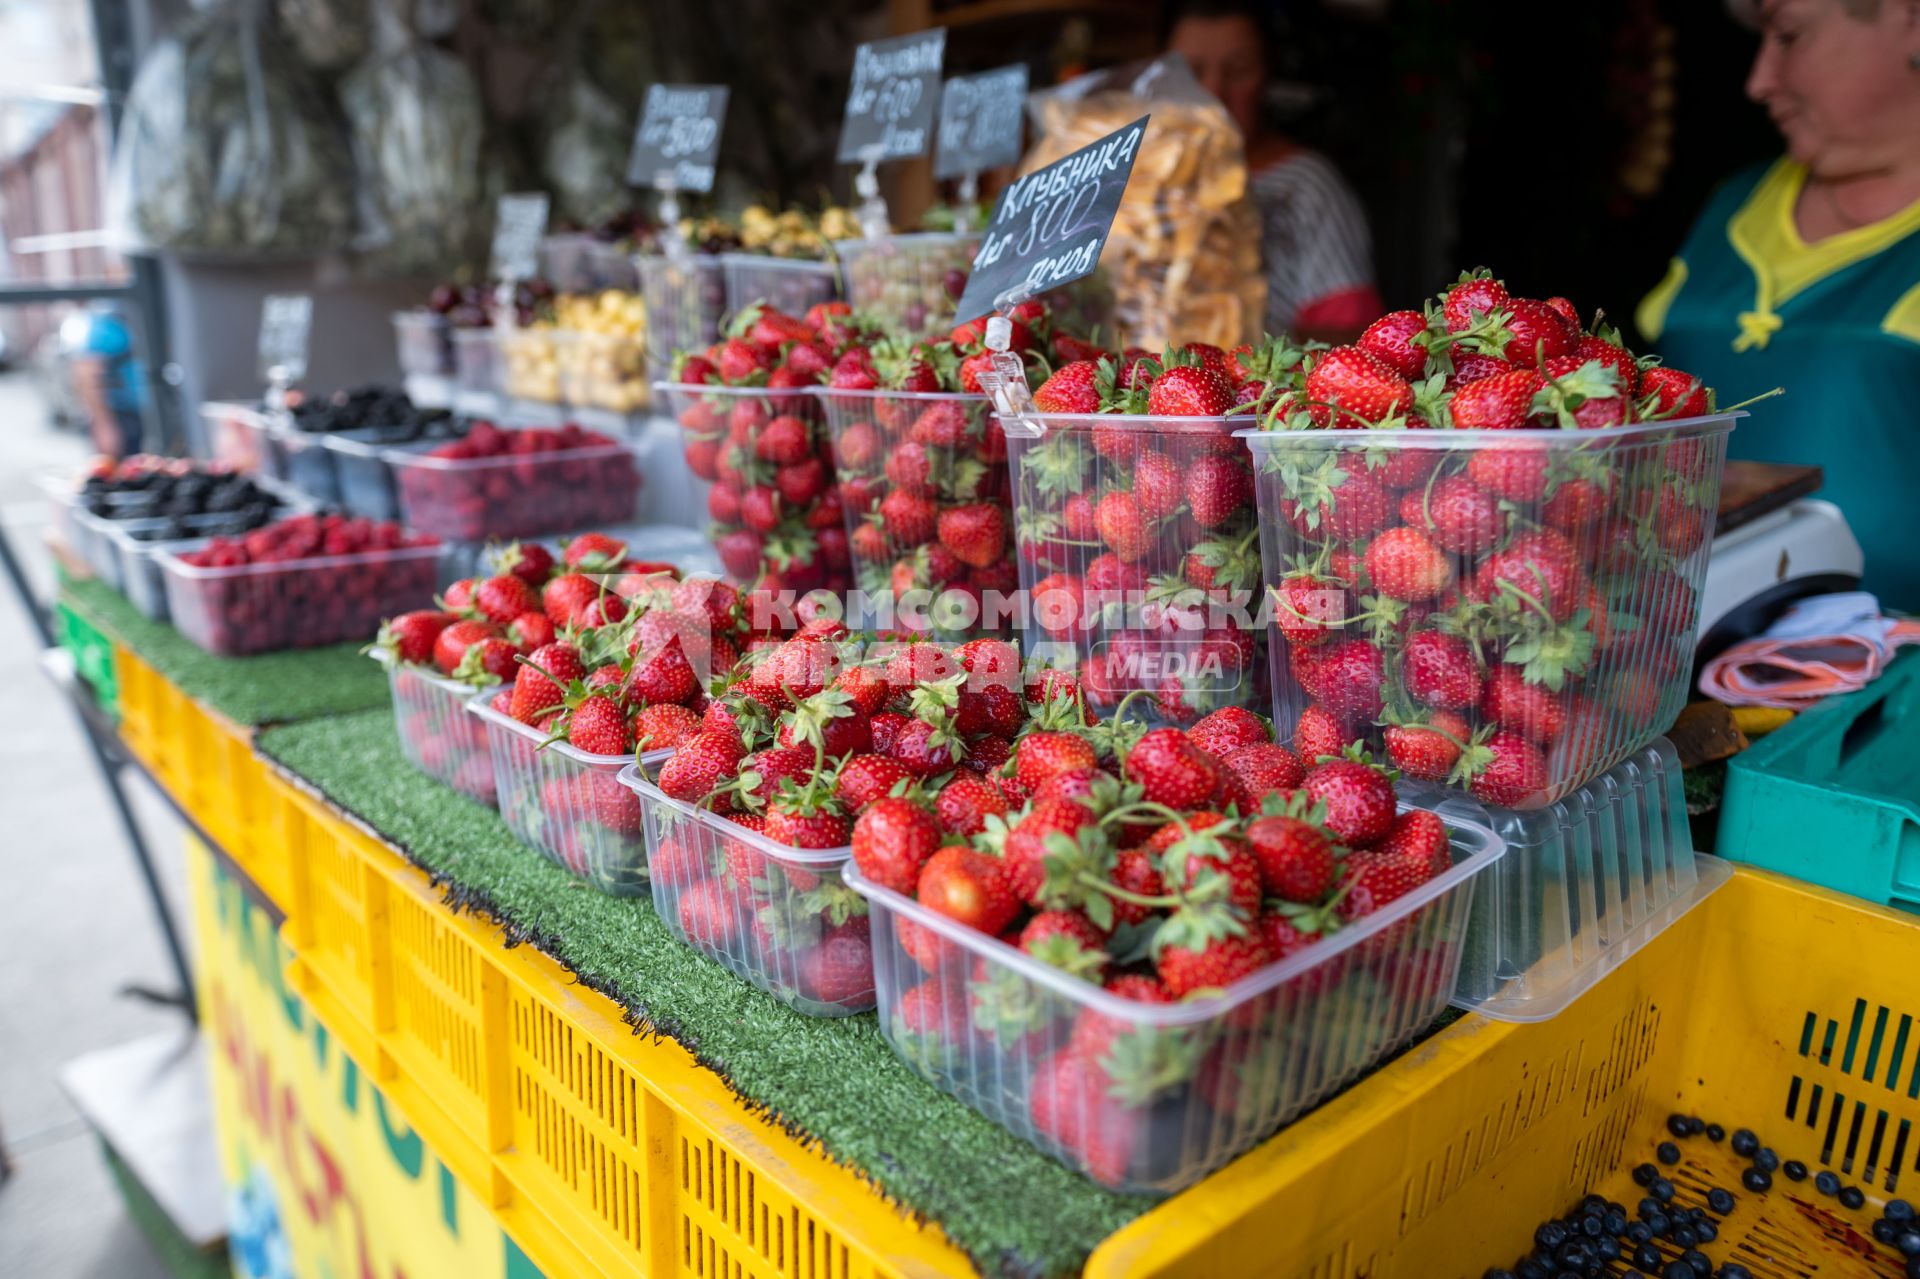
pixel 1805 273
pixel 1314 241
pixel 107 380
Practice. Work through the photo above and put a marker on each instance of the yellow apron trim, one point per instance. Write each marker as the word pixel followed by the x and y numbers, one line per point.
pixel 1904 319
pixel 1650 317
pixel 1763 233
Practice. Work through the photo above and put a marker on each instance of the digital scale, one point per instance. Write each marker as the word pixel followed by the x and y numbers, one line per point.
pixel 1773 544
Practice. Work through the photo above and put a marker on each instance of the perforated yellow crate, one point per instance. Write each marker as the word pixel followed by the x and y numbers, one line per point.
pixel 1775 1005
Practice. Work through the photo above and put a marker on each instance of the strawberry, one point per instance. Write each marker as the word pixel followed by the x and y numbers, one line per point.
pixel 412 637
pixel 1576 505
pixel 1438 670
pixel 709 915
pixel 1419 836
pixel 1023 854
pixel 910 519
pixel 1040 755
pixel 490 661
pixel 1296 858
pixel 1359 799
pixel 543 679
pixel 1171 770
pixel 458 598
pixel 1405 564
pixel 1427 750
pixel 701 763
pixel 1474 296
pixel 840 969
pixel 864 780
pixel 1517 774
pixel 1357 507
pixel 1540 566
pixel 783 441
pixel 1517 473
pixel 1471 366
pixel 598 726
pixel 1319 734
pixel 531 562
pixel 1158 484
pixel 970 887
pixel 976 533
pixel 663 727
pixel 1123 526
pixel 566 597
pixel 1187 390
pixel 1501 402
pixel 1528 709
pixel 1217 489
pixel 1229 728
pixel 1389 340
pixel 925 749
pixel 1670 394
pixel 530 631
pixel 594 553
pixel 1308 610
pixel 807 822
pixel 1068 1101
pixel 964 804
pixel 1265 767
pixel 1612 356
pixel 1067 940
pixel 1536 333
pixel 502 599
pixel 1347 387
pixel 1073 388
pixel 1351 675
pixel 1371 879
pixel 1215 965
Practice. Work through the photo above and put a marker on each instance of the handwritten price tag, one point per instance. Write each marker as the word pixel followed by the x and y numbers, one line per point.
pixel 679 137
pixel 518 223
pixel 286 323
pixel 981 121
pixel 890 103
pixel 1048 228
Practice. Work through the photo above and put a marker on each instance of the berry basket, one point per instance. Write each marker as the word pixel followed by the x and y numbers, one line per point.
pixel 137 550
pixel 576 262
pixel 685 300
pixel 423 340
pixel 910 282
pixel 240 437
pixel 788 285
pixel 568 804
pixel 1511 611
pixel 1586 882
pixel 779 917
pixel 1124 580
pixel 602 370
pixel 774 506
pixel 437 736
pixel 476 367
pixel 923 488
pixel 590 481
pixel 326 599
pixel 1189 1085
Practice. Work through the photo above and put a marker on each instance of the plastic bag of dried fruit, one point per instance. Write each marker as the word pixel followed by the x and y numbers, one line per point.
pixel 1183 259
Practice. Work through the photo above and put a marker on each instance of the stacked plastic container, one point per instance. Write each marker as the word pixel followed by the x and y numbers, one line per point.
pixel 328 599
pixel 513 495
pixel 788 285
pixel 137 552
pixel 911 282
pixel 685 297
pixel 924 490
pixel 1137 548
pixel 1509 618
pixel 423 341
pixel 565 802
pixel 1194 1083
pixel 782 918
pixel 437 735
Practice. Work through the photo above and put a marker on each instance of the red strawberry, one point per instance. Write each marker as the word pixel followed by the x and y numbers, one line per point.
pixel 915 746
pixel 1347 387
pixel 598 726
pixel 1350 676
pixel 1419 836
pixel 1517 473
pixel 530 631
pixel 970 887
pixel 1428 750
pixel 1502 402
pixel 594 553
pixel 840 969
pixel 1040 755
pixel 663 727
pixel 1296 858
pixel 1226 730
pixel 1217 489
pixel 964 804
pixel 1187 390
pixel 909 519
pixel 1123 526
pixel 1372 879
pixel 1541 566
pixel 502 599
pixel 864 780
pixel 1404 563
pixel 1158 484
pixel 1069 1103
pixel 1517 775
pixel 1528 709
pixel 411 637
pixel 566 597
pixel 1536 333
pixel 489 661
pixel 799 824
pixel 531 562
pixel 1471 366
pixel 543 678
pixel 1216 965
pixel 1473 296
pixel 709 915
pixel 1617 358
pixel 1673 394
pixel 701 763
pixel 1266 767
pixel 1171 770
pixel 1024 853
pixel 1319 733
pixel 1389 339
pixel 1458 514
pixel 1358 507
pixel 1073 388
pixel 976 534
pixel 1359 799
pixel 1439 671
pixel 1308 610
pixel 1068 940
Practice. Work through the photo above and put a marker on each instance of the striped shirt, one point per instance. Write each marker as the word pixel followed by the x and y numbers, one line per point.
pixel 1319 262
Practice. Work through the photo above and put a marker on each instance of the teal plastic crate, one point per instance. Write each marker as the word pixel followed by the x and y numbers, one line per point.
pixel 1834 797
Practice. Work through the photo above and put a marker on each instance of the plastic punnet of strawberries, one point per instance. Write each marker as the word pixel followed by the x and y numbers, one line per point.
pixel 1495 582
pixel 498 483
pixel 1137 543
pixel 299 582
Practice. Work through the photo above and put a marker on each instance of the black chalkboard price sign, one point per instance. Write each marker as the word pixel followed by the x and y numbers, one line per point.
pixel 1049 226
pixel 678 138
pixel 980 121
pixel 890 102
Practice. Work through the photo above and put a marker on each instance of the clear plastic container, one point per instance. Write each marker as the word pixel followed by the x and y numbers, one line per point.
pixel 1110 553
pixel 568 804
pixel 91 537
pixel 242 438
pixel 766 530
pixel 911 282
pixel 424 342
pixel 949 531
pixel 1586 882
pixel 327 599
pixel 1206 1078
pixel 1538 587
pixel 437 735
pixel 515 494
pixel 476 371
pixel 576 262
pixel 306 463
pixel 686 549
pixel 685 299
pixel 779 917
pixel 365 477
pixel 788 285
pixel 137 551
pixel 528 365
pixel 602 371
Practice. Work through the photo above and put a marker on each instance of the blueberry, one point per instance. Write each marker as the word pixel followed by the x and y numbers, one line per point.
pixel 1644 1174
pixel 1615 1221
pixel 1680 1125
pixel 1593 1204
pixel 1592 1226
pixel 1647 1257
pixel 1497 1273
pixel 1706 1231
pixel 1573 1255
pixel 1734 1270
pixel 1685 1237
pixel 1531 1269
pixel 1908 1243
pixel 1668 1153
pixel 1795 1170
pixel 1716 1133
pixel 1913 1268
pixel 1662 1189
pixel 1745 1143
pixel 1701 1263
pixel 1659 1223
pixel 1550 1235
pixel 1755 1180
pixel 1853 1197
pixel 1826 1183
pixel 1679 1270
pixel 1899 1210
pixel 1721 1201
pixel 1885 1231
pixel 1766 1160
pixel 1607 1249
pixel 1649 1209
pixel 1640 1232
pixel 1570 1274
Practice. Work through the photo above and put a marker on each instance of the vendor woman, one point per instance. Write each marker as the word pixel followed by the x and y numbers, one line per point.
pixel 1805 273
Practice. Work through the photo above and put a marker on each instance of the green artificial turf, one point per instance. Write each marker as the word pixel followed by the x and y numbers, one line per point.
pixel 271 688
pixel 1013 1210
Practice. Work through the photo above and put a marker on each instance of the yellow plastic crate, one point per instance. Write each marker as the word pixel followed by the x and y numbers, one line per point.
pixel 207 763
pixel 601 1151
pixel 1775 1005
